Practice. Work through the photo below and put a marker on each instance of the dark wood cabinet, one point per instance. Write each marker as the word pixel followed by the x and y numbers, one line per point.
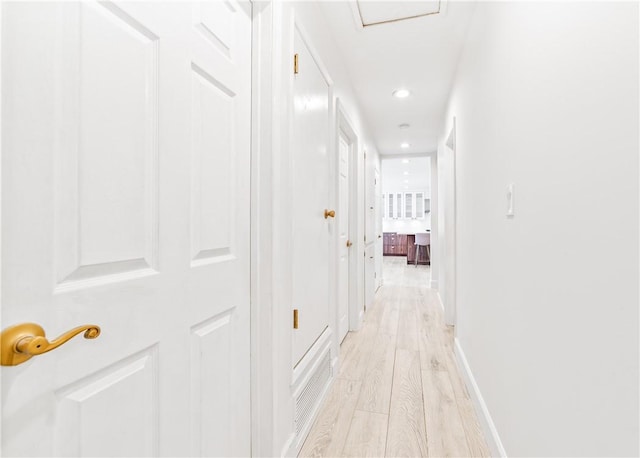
pixel 402 245
pixel 394 244
pixel 389 243
pixel 423 256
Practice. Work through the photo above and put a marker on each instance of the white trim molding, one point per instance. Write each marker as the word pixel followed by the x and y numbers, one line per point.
pixel 263 356
pixel 488 427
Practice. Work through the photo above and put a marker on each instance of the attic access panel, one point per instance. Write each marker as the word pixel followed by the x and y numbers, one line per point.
pixel 374 12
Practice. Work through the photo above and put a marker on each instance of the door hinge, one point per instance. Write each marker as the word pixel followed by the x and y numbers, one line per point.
pixel 295 318
pixel 295 64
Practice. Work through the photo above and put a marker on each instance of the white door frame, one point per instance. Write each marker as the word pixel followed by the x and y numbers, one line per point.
pixel 435 235
pixel 345 126
pixel 262 357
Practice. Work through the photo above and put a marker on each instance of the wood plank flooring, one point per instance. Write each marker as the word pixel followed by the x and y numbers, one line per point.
pixel 398 392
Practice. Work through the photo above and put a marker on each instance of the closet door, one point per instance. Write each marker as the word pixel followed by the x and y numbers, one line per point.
pixel 123 125
pixel 310 227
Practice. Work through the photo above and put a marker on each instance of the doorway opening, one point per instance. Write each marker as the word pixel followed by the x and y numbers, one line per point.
pixel 406 217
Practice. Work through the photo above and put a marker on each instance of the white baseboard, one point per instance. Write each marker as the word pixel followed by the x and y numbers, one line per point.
pixel 488 427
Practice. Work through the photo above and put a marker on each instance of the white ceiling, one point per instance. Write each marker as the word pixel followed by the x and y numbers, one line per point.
pixel 417 174
pixel 419 54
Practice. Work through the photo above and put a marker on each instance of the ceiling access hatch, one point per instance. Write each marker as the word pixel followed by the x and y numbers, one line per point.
pixel 375 13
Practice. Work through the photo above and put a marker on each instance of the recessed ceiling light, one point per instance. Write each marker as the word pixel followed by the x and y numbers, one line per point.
pixel 405 161
pixel 406 187
pixel 406 181
pixel 404 126
pixel 401 93
pixel 406 173
pixel 404 145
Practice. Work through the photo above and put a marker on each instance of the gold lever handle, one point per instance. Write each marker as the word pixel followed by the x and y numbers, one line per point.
pixel 21 342
pixel 329 213
pixel 349 243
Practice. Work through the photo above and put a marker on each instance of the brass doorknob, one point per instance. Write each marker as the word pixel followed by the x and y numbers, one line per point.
pixel 21 342
pixel 329 213
pixel 349 243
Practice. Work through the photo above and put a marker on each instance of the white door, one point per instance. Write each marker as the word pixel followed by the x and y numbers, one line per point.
pixel 344 243
pixel 378 217
pixel 370 225
pixel 310 199
pixel 125 185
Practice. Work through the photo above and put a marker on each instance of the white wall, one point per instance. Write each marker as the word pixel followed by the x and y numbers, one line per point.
pixel 546 97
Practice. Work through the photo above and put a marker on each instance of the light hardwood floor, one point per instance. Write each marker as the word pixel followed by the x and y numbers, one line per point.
pixel 398 392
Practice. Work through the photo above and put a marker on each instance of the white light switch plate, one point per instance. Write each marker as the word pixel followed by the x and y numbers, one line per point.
pixel 510 200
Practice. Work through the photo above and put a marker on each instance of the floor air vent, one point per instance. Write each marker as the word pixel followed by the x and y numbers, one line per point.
pixel 309 396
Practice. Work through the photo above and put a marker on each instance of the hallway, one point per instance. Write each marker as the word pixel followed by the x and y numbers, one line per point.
pixel 398 392
pixel 208 209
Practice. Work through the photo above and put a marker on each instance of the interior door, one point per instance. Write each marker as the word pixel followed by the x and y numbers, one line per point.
pixel 379 197
pixel 344 243
pixel 310 198
pixel 370 231
pixel 125 185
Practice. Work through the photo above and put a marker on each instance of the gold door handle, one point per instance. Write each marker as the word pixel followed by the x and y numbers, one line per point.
pixel 349 243
pixel 21 342
pixel 329 213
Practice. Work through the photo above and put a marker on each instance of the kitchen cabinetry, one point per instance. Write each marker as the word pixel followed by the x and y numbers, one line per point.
pixel 392 205
pixel 407 205
pixel 423 257
pixel 394 244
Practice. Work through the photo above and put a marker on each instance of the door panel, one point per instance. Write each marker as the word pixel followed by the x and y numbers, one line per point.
pixel 126 130
pixel 84 402
pixel 310 229
pixel 106 153
pixel 370 226
pixel 211 352
pixel 344 156
pixel 379 197
pixel 370 200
